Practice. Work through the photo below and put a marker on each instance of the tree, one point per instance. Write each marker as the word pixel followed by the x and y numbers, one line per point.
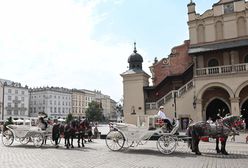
pixel 94 112
pixel 69 118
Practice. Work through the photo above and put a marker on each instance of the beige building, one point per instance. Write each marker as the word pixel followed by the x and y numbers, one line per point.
pixel 219 83
pixel 78 103
pixel 103 100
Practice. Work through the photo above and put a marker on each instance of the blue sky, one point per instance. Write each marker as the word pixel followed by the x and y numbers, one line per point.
pixel 85 44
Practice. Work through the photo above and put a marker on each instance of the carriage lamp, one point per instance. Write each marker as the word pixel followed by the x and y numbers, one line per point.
pixel 194 102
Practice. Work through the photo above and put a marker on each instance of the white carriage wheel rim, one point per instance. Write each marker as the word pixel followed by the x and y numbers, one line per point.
pixel 11 139
pixel 115 146
pixel 171 140
pixel 40 142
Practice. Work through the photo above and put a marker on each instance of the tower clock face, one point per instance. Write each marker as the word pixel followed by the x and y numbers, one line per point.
pixel 228 8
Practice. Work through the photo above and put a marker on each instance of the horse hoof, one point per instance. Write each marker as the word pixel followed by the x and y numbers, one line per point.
pixel 218 151
pixel 198 153
pixel 224 152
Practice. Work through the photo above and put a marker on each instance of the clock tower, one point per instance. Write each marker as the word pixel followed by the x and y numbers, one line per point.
pixel 134 81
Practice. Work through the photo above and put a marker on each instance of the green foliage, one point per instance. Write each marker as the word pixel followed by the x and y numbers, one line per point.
pixel 69 118
pixel 94 112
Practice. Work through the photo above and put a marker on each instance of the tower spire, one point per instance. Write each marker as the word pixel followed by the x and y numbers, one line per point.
pixel 134 50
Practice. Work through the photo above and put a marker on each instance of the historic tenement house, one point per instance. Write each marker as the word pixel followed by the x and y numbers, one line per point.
pixel 204 77
pixel 14 100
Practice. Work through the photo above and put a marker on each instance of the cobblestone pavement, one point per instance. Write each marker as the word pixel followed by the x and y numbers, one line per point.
pixel 97 155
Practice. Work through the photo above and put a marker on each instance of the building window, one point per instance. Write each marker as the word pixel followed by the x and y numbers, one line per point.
pixel 219 30
pixel 9 112
pixel 23 99
pixel 16 91
pixel 9 98
pixel 23 92
pixel 228 8
pixel 55 110
pixel 201 34
pixel 241 25
pixel 15 112
pixel 213 62
pixel 9 90
pixel 51 110
pixel 246 59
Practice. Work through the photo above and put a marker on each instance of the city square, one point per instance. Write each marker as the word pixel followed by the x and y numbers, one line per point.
pixel 97 155
pixel 197 92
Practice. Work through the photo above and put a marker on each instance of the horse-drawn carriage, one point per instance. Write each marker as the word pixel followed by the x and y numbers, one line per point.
pixel 129 135
pixel 147 126
pixel 27 132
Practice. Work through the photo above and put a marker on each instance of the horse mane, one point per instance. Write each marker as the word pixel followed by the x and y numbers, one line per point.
pixel 229 120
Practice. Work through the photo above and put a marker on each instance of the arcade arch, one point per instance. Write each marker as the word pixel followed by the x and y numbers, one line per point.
pixel 215 100
pixel 243 96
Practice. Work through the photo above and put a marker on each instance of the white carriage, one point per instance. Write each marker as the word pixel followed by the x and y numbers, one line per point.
pixel 127 135
pixel 27 132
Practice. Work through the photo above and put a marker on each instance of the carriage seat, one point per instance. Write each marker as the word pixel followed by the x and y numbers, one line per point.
pixel 175 127
pixel 125 125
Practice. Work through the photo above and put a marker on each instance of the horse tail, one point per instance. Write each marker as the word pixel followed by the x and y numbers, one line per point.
pixel 189 135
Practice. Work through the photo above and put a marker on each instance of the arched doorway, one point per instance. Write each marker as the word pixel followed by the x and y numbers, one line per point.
pixel 244 112
pixel 216 107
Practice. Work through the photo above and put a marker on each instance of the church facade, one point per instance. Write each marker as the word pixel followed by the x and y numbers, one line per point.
pixel 204 77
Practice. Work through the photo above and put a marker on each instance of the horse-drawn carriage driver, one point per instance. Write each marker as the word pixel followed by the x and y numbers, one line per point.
pixel 166 120
pixel 42 123
pixel 41 120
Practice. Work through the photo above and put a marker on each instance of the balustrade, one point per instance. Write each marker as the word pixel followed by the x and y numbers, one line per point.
pixel 227 69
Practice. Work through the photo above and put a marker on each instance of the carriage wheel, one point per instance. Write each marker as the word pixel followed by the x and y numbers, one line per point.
pixel 25 140
pixel 38 140
pixel 115 140
pixel 166 144
pixel 7 137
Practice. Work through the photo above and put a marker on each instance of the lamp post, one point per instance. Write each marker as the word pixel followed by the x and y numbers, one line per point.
pixel 175 104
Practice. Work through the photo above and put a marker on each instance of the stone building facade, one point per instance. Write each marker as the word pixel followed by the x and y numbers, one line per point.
pixel 15 100
pixel 211 78
pixel 78 103
pixel 54 101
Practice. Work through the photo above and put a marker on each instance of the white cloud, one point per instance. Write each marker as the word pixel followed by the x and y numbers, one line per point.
pixel 49 42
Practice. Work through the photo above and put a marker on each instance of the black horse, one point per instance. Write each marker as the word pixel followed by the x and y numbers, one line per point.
pixel 75 129
pixel 219 131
